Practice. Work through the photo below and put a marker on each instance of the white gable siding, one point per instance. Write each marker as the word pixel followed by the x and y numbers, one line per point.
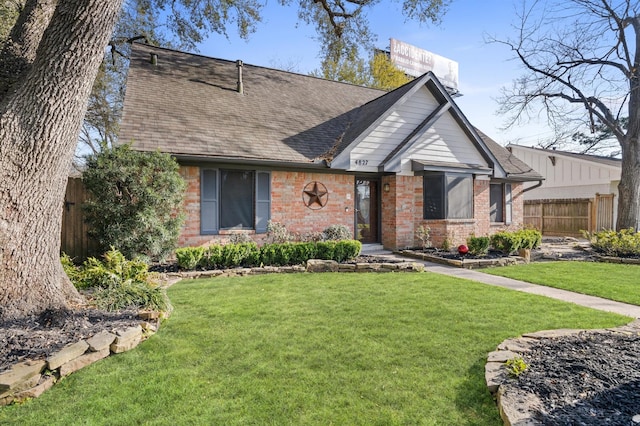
pixel 378 144
pixel 570 177
pixel 444 142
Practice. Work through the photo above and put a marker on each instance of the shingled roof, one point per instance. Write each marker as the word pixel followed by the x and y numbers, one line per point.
pixel 189 106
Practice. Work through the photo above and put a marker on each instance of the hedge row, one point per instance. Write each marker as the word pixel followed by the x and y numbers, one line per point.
pixel 218 256
pixel 624 243
pixel 506 242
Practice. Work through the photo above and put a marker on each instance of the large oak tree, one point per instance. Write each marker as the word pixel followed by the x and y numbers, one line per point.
pixel 47 68
pixel 582 66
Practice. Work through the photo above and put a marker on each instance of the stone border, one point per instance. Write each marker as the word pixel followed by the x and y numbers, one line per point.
pixel 313 266
pixel 29 379
pixel 464 263
pixel 515 406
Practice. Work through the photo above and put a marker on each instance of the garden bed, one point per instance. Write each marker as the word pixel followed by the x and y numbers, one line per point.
pixel 493 258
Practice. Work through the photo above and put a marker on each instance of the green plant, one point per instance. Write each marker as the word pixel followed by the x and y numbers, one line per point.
pixel 529 238
pixel 114 269
pixel 446 244
pixel 212 257
pixel 189 257
pixel 118 283
pixel 623 243
pixel 70 268
pixel 506 242
pixel 337 233
pixel 478 246
pixel 423 233
pixel 516 366
pixel 325 250
pixel 240 254
pixel 134 201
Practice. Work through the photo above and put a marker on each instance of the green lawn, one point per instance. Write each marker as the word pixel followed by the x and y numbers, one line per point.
pixel 609 280
pixel 310 349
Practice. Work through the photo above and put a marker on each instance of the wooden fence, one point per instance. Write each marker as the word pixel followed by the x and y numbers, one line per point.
pixel 75 240
pixel 568 217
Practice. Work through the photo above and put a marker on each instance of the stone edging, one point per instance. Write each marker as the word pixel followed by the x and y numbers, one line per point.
pixel 29 379
pixel 464 263
pixel 313 265
pixel 515 406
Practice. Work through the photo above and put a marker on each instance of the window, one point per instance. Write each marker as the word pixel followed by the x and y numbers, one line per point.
pixel 448 196
pixel 234 199
pixel 500 202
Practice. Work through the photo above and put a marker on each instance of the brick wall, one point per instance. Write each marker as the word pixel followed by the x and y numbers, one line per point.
pixel 287 205
pixel 401 212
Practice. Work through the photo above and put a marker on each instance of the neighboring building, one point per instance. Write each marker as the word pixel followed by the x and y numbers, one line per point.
pixel 258 144
pixel 572 179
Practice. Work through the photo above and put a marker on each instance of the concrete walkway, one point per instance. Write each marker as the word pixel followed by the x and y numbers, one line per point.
pixel 554 293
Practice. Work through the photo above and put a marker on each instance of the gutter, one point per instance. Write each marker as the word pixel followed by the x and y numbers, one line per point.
pixel 537 185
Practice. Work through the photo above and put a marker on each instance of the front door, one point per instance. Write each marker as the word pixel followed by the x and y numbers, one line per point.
pixel 366 209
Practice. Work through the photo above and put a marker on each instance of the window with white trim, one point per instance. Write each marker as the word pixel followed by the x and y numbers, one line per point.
pixel 448 196
pixel 234 199
pixel 500 202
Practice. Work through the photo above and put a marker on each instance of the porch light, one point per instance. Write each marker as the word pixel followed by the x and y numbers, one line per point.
pixel 386 187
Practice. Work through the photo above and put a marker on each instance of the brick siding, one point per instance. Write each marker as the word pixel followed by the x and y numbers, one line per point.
pixel 401 211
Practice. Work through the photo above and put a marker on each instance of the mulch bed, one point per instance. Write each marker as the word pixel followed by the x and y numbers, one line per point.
pixel 592 378
pixel 35 338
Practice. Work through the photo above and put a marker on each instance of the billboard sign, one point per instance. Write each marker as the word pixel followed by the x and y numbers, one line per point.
pixel 415 62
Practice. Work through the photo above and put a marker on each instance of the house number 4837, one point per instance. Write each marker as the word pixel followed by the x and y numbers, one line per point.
pixel 361 162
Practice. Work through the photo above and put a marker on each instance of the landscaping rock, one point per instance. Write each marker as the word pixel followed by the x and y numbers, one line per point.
pixel 20 373
pixel 83 361
pixel 101 341
pixel 317 265
pixel 127 339
pixel 67 353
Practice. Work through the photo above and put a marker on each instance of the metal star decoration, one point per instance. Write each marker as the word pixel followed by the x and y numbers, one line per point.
pixel 315 195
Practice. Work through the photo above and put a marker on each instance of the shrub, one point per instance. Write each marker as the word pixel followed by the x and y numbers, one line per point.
pixel 478 246
pixel 189 257
pixel 530 238
pixel 623 243
pixel 118 283
pixel 115 269
pixel 70 268
pixel 212 257
pixel 506 242
pixel 134 201
pixel 346 250
pixel 325 250
pixel 241 254
pixel 338 233
pixel 278 233
pixel 423 233
pixel 240 238
pixel 131 295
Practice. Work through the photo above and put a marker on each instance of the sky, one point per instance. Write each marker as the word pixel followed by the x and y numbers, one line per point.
pixel 282 41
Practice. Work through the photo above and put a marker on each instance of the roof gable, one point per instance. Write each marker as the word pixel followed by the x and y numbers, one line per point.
pixel 419 122
pixel 189 106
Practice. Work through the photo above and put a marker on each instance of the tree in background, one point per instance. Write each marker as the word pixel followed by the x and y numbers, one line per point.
pixel 47 68
pixel 380 73
pixel 135 201
pixel 581 61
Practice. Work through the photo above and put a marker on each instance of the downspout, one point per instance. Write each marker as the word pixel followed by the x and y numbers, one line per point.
pixel 537 185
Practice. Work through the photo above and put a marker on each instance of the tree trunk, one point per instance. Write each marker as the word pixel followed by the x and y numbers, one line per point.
pixel 40 117
pixel 629 186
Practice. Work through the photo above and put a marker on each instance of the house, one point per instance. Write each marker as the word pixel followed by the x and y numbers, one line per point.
pixel 257 144
pixel 579 192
